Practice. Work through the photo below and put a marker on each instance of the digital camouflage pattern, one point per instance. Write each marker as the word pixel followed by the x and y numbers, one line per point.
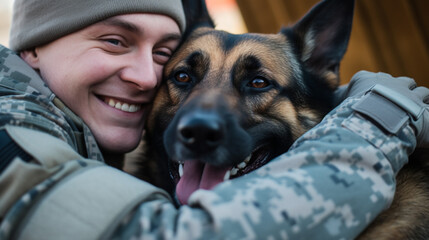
pixel 335 179
pixel 27 101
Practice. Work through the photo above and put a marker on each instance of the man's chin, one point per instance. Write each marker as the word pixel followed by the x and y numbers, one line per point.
pixel 119 143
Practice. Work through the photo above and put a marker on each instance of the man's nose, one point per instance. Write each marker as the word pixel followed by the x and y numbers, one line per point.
pixel 141 71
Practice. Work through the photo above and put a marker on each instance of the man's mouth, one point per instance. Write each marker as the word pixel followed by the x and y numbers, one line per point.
pixel 123 106
pixel 194 175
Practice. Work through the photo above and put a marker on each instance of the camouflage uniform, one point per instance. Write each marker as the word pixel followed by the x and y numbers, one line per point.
pixel 335 179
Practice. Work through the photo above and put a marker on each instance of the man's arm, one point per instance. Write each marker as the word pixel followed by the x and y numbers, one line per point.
pixel 332 182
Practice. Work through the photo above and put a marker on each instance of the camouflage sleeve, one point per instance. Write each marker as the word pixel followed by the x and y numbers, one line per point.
pixel 331 184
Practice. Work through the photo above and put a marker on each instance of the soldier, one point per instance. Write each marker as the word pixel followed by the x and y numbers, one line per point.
pixel 74 92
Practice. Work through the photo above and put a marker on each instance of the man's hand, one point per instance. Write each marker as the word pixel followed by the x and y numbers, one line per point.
pixel 391 102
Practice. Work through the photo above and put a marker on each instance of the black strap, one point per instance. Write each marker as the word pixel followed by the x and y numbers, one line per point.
pixel 9 150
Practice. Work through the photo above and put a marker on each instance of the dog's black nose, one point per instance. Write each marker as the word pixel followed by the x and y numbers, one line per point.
pixel 201 131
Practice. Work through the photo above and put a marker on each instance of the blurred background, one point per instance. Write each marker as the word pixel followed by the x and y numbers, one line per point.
pixel 390 36
pixel 5 16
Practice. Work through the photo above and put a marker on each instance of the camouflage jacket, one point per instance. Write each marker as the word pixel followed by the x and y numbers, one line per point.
pixel 331 184
pixel 27 101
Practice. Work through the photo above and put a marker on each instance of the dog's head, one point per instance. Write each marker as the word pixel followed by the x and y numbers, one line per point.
pixel 230 103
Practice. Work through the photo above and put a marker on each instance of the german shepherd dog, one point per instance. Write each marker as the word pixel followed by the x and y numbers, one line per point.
pixel 231 103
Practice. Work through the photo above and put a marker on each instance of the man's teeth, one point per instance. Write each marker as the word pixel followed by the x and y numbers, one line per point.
pixel 126 107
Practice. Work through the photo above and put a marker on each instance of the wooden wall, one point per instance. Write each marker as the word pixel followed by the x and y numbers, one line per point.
pixel 388 35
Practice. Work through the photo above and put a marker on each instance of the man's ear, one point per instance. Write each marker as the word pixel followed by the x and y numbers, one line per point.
pixel 30 57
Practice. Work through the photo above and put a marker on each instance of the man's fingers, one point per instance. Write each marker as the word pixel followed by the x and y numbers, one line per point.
pixel 422 93
pixel 409 82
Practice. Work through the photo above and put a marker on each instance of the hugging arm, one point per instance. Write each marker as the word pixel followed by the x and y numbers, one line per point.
pixel 335 179
pixel 331 184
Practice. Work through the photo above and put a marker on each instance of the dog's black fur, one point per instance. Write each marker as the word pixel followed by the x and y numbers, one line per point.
pixel 229 96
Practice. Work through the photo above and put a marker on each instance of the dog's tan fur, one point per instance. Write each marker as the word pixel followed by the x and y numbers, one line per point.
pixel 408 215
pixel 221 63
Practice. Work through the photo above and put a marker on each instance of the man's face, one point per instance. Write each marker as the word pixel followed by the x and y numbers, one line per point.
pixel 108 72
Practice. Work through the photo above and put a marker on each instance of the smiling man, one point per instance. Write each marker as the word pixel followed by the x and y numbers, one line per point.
pixel 74 93
pixel 107 73
pixel 78 84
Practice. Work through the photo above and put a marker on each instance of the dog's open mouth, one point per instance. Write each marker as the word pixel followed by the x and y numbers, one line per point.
pixel 196 175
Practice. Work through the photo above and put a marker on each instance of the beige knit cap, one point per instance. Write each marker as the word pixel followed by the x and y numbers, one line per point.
pixel 38 22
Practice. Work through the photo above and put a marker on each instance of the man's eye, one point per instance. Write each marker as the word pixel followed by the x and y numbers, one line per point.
pixel 113 41
pixel 162 56
pixel 162 53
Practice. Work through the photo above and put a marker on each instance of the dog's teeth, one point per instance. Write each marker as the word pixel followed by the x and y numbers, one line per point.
pixel 234 171
pixel 227 175
pixel 181 170
pixel 248 158
pixel 242 165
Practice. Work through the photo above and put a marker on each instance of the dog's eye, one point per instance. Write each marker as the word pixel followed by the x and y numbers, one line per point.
pixel 258 83
pixel 182 77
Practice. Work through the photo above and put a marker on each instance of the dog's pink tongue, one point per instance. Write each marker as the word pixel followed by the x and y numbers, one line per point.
pixel 190 180
pixel 196 175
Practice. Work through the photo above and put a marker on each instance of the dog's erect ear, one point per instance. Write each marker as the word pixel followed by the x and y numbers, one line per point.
pixel 323 35
pixel 196 14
